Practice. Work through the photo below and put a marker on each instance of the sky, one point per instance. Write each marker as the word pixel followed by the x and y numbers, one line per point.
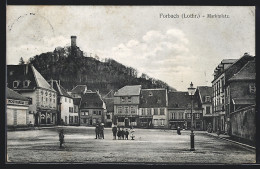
pixel 175 50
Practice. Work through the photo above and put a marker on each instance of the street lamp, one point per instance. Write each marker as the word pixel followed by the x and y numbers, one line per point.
pixel 191 91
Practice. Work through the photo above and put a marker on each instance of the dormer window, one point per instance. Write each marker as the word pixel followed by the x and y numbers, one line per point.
pixel 15 84
pixel 26 83
pixel 252 89
pixel 207 98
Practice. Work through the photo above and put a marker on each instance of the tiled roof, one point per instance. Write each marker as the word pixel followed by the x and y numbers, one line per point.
pixel 246 73
pixel 109 104
pixel 10 94
pixel 91 100
pixel 228 61
pixel 129 91
pixel 25 72
pixel 79 89
pixel 60 90
pixel 178 99
pixel 76 101
pixel 153 98
pixel 204 91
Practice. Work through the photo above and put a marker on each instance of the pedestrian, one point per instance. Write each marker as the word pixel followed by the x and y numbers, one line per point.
pixel 119 133
pixel 218 131
pixel 61 137
pixel 126 134
pixel 123 133
pixel 114 130
pixel 97 131
pixel 178 130
pixel 132 133
pixel 101 130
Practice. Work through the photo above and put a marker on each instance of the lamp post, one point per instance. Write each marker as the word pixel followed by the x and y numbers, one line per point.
pixel 191 91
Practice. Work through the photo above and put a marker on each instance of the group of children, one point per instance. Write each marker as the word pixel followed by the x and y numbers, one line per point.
pixel 121 133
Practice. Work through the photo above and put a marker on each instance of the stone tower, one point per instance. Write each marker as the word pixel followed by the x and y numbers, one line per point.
pixel 73 41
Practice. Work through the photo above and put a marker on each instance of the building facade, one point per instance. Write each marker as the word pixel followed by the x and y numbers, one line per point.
pixel 27 81
pixel 92 109
pixel 16 109
pixel 109 113
pixel 153 112
pixel 126 104
pixel 222 73
pixel 204 97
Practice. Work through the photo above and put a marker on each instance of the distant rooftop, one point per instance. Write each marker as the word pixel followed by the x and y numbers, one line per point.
pixel 129 91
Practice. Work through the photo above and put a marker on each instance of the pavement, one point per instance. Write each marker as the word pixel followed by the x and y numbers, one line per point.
pixel 150 146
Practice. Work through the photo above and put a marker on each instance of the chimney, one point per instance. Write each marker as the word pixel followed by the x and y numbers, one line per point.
pixel 73 41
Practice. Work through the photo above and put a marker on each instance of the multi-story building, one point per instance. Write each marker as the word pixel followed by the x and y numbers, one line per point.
pixel 240 90
pixel 92 109
pixel 78 91
pixel 153 111
pixel 222 73
pixel 204 97
pixel 27 81
pixel 16 109
pixel 126 104
pixel 65 114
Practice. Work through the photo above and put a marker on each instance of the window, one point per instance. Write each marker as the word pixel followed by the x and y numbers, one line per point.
pixel 76 119
pixel 69 100
pixel 150 93
pixel 208 110
pixel 71 109
pixel 46 93
pixel 71 119
pixel 108 116
pixel 197 115
pixel 65 99
pixel 180 115
pixel 122 99
pixel 83 121
pixel 99 112
pixel 207 99
pixel 129 99
pixel 162 122
pixel 142 111
pixel 126 109
pixel 149 112
pixel 26 83
pixel 86 113
pixel 252 89
pixel 119 109
pixel 173 115
pixel 155 111
pixel 132 109
pixel 188 116
pixel 162 111
pixel 53 100
pixel 83 113
pixel 15 84
pixel 94 112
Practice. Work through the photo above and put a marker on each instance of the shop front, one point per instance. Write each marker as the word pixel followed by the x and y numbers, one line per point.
pixel 174 124
pixel 46 117
pixel 126 121
pixel 146 121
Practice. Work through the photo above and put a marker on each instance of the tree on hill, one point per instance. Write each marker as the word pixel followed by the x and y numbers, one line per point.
pixel 21 61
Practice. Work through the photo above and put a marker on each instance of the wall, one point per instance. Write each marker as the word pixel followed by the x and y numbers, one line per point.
pixel 65 108
pixel 17 115
pixel 134 100
pixel 243 123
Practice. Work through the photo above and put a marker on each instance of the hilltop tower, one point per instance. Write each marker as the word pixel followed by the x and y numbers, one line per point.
pixel 73 41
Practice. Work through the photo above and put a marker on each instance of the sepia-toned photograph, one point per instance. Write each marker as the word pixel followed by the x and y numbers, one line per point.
pixel 130 84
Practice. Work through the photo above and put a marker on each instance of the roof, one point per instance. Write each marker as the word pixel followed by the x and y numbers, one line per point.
pixel 91 100
pixel 129 91
pixel 79 89
pixel 60 90
pixel 10 94
pixel 178 99
pixel 204 91
pixel 243 101
pixel 26 72
pixel 109 104
pixel 228 61
pixel 153 98
pixel 76 101
pixel 246 73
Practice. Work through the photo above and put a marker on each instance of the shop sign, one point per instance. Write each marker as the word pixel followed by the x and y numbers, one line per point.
pixel 17 102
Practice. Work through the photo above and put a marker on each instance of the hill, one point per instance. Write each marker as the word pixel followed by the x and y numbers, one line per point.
pixel 72 67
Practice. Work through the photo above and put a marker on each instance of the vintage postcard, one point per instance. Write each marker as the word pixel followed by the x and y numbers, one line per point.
pixel 131 84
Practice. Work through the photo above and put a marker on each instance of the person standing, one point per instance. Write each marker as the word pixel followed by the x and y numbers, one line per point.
pixel 123 133
pixel 61 137
pixel 97 131
pixel 102 130
pixel 114 130
pixel 119 133
pixel 132 133
pixel 126 134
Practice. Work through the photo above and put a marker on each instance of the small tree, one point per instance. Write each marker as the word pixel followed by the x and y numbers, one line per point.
pixel 21 61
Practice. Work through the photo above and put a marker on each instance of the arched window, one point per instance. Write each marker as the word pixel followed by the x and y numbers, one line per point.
pixel 16 84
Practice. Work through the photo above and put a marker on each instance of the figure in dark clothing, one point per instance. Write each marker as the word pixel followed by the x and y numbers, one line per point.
pixel 97 131
pixel 114 130
pixel 123 133
pixel 126 134
pixel 61 137
pixel 119 133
